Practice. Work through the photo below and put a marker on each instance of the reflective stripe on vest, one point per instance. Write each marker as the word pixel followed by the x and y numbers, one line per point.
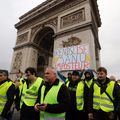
pixel 79 95
pixel 66 80
pixel 102 101
pixel 30 95
pixel 3 97
pixel 51 98
pixel 67 83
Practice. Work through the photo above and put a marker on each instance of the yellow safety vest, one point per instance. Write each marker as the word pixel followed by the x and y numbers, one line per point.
pixel 102 101
pixel 79 95
pixel 66 80
pixel 67 83
pixel 51 98
pixel 89 83
pixel 30 95
pixel 21 85
pixel 3 96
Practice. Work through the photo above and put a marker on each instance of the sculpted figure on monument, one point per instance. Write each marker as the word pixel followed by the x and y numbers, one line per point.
pixel 17 61
pixel 71 42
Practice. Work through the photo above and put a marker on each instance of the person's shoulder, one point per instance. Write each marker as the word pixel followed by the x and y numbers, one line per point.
pixel 64 89
pixel 9 80
pixel 40 78
pixel 63 86
pixel 12 85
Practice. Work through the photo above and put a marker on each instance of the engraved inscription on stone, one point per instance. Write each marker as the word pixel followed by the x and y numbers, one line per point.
pixel 73 18
pixel 17 61
pixel 71 42
pixel 22 38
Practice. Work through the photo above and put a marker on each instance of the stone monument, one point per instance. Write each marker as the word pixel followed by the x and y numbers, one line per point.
pixel 52 25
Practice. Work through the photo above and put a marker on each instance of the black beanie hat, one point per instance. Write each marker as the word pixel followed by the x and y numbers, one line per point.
pixel 75 72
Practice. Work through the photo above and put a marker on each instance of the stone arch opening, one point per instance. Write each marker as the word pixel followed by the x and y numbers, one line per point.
pixel 45 42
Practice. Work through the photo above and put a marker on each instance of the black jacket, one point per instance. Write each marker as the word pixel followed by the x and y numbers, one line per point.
pixel 72 90
pixel 103 86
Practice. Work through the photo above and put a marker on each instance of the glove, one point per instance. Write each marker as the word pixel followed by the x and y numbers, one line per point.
pixel 90 116
pixel 111 115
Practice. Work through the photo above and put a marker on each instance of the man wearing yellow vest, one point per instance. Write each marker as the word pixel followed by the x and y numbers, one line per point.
pixel 86 83
pixel 7 92
pixel 76 90
pixel 54 98
pixel 29 95
pixel 104 99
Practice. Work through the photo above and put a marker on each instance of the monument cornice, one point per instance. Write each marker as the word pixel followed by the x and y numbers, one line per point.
pixel 49 5
pixel 96 11
pixel 46 7
pixel 43 6
pixel 29 44
pixel 39 10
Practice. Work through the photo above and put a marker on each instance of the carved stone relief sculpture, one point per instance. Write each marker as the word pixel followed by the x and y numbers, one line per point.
pixel 73 18
pixel 52 22
pixel 17 61
pixel 71 42
pixel 22 38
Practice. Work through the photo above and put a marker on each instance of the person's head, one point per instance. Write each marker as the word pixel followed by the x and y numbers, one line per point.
pixel 88 74
pixel 75 75
pixel 19 74
pixel 101 73
pixel 69 75
pixel 112 78
pixel 30 73
pixel 50 75
pixel 3 75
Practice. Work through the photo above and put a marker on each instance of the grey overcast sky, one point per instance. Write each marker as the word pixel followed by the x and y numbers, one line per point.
pixel 109 33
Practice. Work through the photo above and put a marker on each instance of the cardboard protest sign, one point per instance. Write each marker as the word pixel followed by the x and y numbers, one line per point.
pixel 72 58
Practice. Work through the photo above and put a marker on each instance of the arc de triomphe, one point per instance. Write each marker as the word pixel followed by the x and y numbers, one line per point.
pixel 56 24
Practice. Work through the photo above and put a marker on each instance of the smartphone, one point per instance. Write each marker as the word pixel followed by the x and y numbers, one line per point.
pixel 41 104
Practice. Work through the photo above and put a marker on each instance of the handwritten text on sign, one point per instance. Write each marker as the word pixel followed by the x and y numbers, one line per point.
pixel 72 58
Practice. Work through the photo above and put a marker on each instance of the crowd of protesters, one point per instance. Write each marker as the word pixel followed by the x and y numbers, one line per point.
pixel 81 95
